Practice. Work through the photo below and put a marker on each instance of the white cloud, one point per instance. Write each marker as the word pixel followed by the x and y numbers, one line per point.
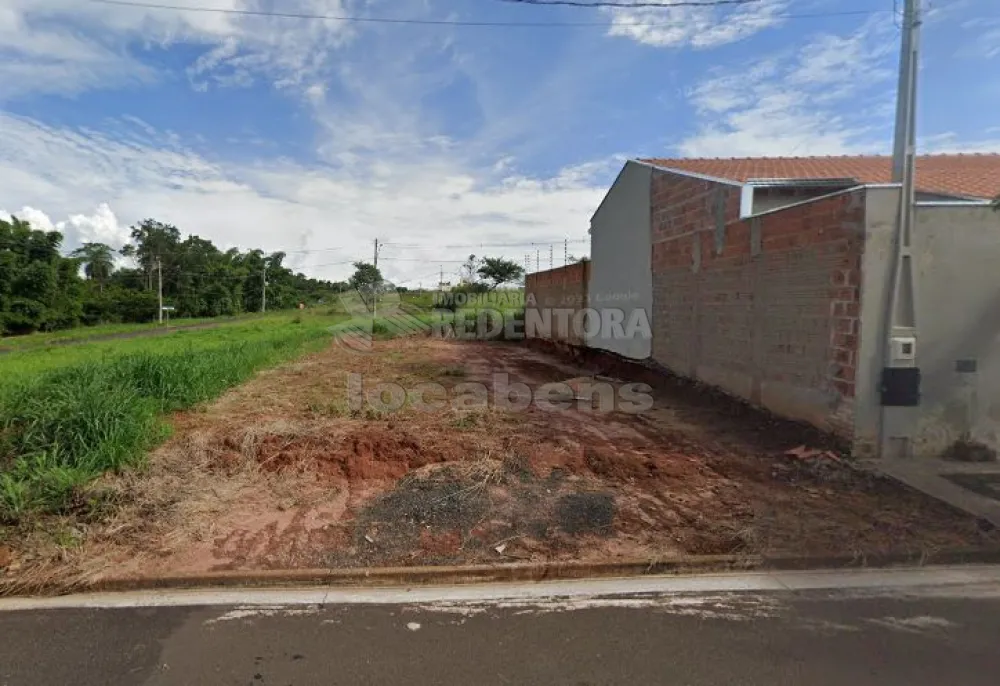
pixel 38 219
pixel 100 227
pixel 39 57
pixel 984 39
pixel 951 142
pixel 68 46
pixel 698 27
pixel 429 200
pixel 804 102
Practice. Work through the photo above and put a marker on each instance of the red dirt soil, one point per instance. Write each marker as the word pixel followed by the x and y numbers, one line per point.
pixel 337 486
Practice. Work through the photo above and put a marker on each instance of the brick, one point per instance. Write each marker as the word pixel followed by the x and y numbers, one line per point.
pixel 788 314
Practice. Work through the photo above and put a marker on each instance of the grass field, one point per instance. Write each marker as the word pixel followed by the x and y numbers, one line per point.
pixel 36 359
pixel 83 333
pixel 70 413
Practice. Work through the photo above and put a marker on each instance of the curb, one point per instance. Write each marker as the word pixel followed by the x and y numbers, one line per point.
pixel 521 572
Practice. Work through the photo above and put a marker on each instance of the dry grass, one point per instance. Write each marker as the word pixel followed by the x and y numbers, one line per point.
pixel 138 518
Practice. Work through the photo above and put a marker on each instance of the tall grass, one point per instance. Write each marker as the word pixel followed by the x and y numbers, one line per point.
pixel 61 429
pixel 29 363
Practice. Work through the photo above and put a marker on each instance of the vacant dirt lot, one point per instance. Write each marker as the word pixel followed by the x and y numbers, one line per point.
pixel 284 472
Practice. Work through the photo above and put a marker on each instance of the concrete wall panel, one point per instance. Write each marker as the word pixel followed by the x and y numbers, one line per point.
pixel 620 274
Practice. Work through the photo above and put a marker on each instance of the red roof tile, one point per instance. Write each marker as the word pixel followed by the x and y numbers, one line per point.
pixel 968 175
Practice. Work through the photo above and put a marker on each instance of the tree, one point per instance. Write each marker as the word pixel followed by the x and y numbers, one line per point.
pixel 39 288
pixel 153 241
pixel 470 268
pixel 499 271
pixel 98 262
pixel 365 275
pixel 367 281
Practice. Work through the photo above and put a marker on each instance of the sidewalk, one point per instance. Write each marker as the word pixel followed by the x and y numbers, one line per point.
pixel 971 487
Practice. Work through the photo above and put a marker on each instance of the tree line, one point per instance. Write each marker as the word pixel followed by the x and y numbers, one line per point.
pixel 43 290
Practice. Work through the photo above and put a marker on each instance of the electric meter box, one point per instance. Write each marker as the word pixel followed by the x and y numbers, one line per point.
pixel 904 349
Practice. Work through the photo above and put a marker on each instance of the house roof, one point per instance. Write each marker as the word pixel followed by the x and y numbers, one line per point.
pixel 975 176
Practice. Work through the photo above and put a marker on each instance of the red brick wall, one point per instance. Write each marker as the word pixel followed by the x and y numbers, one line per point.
pixel 563 288
pixel 766 308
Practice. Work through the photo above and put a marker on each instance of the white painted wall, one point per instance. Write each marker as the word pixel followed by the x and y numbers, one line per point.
pixel 621 273
pixel 956 251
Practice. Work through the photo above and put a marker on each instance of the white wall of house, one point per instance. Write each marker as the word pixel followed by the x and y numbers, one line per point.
pixel 956 251
pixel 621 274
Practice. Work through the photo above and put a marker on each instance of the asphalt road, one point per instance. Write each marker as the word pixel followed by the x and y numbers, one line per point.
pixel 706 639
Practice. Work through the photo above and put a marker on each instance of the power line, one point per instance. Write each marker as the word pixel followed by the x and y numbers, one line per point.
pixel 307 250
pixel 662 5
pixel 413 246
pixel 421 259
pixel 440 22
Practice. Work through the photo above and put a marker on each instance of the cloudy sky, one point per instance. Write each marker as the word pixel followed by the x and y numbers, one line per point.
pixel 316 136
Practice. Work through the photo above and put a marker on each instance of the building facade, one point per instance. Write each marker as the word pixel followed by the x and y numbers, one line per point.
pixel 771 282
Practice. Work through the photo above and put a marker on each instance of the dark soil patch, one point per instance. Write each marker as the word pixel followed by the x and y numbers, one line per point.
pixel 580 513
pixel 969 451
pixel 699 403
pixel 450 514
pixel 986 485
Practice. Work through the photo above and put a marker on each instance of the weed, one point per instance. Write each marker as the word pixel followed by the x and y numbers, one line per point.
pixel 61 429
pixel 370 413
pixel 466 421
pixel 66 537
pixel 333 408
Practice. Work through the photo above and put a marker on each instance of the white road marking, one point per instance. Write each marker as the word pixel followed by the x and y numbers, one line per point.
pixel 917 625
pixel 254 611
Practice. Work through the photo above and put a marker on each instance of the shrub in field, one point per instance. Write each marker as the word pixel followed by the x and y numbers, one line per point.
pixel 66 427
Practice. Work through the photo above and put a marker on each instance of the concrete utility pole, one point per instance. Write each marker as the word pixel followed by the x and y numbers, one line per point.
pixel 905 134
pixel 159 289
pixel 900 371
pixel 565 252
pixel 552 252
pixel 375 287
pixel 538 259
pixel 263 294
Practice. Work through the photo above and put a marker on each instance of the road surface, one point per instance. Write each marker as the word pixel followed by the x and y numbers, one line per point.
pixel 913 634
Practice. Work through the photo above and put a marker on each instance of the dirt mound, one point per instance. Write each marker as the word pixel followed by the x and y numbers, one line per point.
pixel 371 452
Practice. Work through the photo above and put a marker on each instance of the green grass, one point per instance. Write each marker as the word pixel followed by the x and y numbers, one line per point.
pixel 37 360
pixel 88 333
pixel 39 340
pixel 69 414
pixel 505 299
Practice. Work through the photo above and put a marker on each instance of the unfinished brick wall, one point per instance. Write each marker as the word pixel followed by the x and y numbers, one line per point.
pixel 557 289
pixel 767 308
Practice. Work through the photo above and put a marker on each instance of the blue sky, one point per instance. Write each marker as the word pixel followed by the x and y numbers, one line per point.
pixel 306 135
